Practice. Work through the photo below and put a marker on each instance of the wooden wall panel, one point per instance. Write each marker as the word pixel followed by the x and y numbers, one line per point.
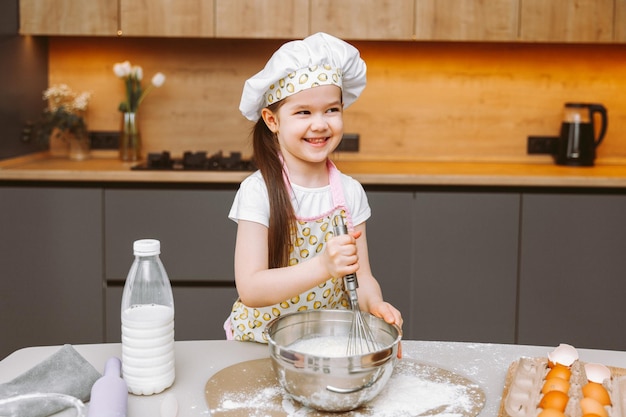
pixel 572 21
pixel 424 101
pixel 618 22
pixel 266 19
pixel 364 19
pixel 481 101
pixel 49 17
pixel 181 18
pixel 477 20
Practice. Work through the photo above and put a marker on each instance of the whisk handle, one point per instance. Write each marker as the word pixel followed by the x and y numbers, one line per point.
pixel 350 281
pixel 340 228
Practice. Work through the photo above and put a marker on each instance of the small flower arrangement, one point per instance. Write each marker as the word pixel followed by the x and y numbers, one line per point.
pixel 132 76
pixel 65 111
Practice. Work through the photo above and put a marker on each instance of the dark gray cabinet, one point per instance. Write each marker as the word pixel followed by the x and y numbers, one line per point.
pixel 501 266
pixel 50 266
pixel 197 238
pixel 448 261
pixel 389 244
pixel 573 270
pixel 9 23
pixel 464 266
pixel 197 246
pixel 23 78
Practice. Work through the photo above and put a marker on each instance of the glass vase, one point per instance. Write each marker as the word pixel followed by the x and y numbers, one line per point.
pixel 130 138
pixel 79 145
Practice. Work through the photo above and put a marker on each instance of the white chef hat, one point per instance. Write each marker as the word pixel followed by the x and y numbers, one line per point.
pixel 319 59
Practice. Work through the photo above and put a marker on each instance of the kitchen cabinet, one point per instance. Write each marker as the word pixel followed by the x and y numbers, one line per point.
pixel 51 274
pixel 197 247
pixel 464 270
pixel 567 21
pixel 69 17
pixel 9 23
pixel 389 243
pixel 469 264
pixel 618 21
pixel 580 21
pixel 197 238
pixel 266 19
pixel 181 18
pixel 466 20
pixel 364 19
pixel 572 267
pixel 191 18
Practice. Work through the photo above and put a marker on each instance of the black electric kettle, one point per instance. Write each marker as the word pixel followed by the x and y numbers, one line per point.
pixel 577 143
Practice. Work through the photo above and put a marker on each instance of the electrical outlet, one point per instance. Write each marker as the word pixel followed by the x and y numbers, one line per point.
pixel 541 145
pixel 349 143
pixel 28 132
pixel 104 140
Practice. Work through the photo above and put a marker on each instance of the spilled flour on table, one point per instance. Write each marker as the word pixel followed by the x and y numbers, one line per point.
pixel 419 395
pixel 266 399
pixel 412 389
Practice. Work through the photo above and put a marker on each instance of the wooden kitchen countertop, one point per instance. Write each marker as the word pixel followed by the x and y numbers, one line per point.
pixel 42 167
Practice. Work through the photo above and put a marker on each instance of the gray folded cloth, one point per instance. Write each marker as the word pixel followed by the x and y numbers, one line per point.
pixel 64 372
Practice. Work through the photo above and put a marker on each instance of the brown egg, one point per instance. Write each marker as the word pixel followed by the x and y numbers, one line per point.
pixel 551 412
pixel 597 392
pixel 554 399
pixel 559 371
pixel 591 406
pixel 555 384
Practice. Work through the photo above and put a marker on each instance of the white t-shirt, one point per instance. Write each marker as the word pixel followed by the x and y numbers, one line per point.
pixel 252 202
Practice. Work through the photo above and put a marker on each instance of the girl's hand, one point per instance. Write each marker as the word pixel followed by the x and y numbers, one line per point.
pixel 340 257
pixel 387 312
pixel 391 315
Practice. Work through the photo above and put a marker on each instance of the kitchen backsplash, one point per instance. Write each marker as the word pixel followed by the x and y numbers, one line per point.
pixel 423 101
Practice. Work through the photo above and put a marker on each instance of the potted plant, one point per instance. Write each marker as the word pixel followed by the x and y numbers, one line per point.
pixel 63 124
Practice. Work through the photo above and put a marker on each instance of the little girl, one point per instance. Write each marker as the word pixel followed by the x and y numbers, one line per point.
pixel 286 257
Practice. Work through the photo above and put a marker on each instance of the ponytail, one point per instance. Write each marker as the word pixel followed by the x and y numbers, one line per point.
pixel 282 216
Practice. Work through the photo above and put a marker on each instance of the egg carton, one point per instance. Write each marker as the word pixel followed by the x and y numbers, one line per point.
pixel 526 377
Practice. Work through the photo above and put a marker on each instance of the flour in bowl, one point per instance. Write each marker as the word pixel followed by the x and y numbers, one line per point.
pixel 324 346
pixel 327 346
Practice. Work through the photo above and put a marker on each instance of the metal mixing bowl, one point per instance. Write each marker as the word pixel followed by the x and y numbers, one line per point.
pixel 331 383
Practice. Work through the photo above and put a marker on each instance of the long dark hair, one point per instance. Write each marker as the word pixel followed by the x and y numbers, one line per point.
pixel 282 217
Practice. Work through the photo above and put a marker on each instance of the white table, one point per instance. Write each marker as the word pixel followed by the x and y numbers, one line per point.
pixel 197 361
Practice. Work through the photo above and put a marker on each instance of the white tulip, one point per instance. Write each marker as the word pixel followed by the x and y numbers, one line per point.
pixel 158 79
pixel 137 72
pixel 122 69
pixel 133 75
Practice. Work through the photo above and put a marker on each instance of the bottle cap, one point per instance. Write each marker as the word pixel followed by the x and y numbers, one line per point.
pixel 147 247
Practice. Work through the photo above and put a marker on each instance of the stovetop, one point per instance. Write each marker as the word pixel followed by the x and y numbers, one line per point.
pixel 196 161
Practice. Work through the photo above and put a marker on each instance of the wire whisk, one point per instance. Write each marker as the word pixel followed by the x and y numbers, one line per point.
pixel 360 338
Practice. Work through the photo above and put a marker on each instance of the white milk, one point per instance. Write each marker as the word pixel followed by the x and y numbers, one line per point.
pixel 148 348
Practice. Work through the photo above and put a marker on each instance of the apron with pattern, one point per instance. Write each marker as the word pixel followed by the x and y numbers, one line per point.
pixel 248 324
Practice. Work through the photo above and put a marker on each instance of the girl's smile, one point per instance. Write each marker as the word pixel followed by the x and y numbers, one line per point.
pixel 316 141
